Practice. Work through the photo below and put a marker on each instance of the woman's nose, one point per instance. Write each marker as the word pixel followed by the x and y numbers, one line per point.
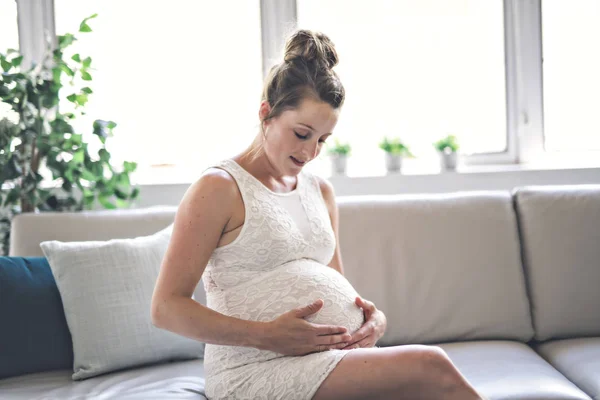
pixel 310 150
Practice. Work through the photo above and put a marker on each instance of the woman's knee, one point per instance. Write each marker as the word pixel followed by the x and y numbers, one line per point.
pixel 436 367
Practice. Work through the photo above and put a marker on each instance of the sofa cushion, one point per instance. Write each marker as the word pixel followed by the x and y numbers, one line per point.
pixel 510 370
pixel 165 381
pixel 578 360
pixel 106 289
pixel 442 267
pixel 34 335
pixel 560 229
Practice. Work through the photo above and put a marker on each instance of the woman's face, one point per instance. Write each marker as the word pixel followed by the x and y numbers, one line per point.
pixel 296 137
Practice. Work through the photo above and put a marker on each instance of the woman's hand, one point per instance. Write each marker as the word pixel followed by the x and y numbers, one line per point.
pixel 290 334
pixel 373 328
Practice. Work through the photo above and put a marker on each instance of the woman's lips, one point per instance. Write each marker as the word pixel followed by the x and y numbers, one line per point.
pixel 298 163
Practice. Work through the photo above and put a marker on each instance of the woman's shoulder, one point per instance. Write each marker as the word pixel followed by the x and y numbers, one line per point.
pixel 214 184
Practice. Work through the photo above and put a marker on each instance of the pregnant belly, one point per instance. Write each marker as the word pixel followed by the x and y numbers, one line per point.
pixel 297 284
pixel 292 285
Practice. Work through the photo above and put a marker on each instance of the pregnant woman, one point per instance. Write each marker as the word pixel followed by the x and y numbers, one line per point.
pixel 282 322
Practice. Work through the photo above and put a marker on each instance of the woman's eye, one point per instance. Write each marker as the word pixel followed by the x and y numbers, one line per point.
pixel 300 136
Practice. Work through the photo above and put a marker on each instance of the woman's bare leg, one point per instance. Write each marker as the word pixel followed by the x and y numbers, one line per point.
pixel 398 372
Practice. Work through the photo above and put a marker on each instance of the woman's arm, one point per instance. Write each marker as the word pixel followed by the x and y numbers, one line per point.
pixel 201 217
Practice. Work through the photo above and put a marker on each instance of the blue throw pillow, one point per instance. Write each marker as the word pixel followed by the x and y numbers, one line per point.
pixel 34 336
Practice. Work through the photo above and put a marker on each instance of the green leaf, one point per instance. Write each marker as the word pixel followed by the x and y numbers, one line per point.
pixel 87 62
pixel 76 57
pixel 17 61
pixel 65 40
pixel 59 125
pixel 87 90
pixel 120 194
pixel 104 155
pixel 88 201
pixel 67 186
pixel 84 27
pixel 66 69
pixel 129 166
pixel 5 64
pixel 103 128
pixel 72 98
pixel 88 175
pixel 134 193
pixel 86 76
pixel 78 157
pixel 56 72
pixel 82 99
pixel 104 200
pixel 13 196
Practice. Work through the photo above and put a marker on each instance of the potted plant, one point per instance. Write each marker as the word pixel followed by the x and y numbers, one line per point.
pixel 45 162
pixel 395 151
pixel 339 154
pixel 448 150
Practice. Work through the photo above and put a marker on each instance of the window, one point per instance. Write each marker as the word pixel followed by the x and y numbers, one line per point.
pixel 182 79
pixel 9 32
pixel 9 36
pixel 571 75
pixel 418 70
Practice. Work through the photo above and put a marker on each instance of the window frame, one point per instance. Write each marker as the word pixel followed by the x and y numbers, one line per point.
pixel 523 67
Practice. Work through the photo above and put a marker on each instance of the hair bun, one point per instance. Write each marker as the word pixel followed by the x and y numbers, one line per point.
pixel 311 47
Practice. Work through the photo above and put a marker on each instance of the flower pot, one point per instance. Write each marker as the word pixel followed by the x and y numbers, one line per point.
pixel 448 160
pixel 338 164
pixel 393 162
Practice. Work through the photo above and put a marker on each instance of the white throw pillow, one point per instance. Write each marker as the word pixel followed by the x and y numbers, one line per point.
pixel 106 289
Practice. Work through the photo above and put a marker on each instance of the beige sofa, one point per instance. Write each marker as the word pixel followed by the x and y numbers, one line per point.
pixel 507 283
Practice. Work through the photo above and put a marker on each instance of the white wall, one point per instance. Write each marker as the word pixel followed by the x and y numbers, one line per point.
pixel 507 179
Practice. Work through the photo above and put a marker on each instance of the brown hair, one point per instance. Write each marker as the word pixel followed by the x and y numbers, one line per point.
pixel 306 72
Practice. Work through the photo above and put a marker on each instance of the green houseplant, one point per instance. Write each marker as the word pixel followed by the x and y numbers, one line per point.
pixel 447 148
pixel 339 153
pixel 395 150
pixel 46 163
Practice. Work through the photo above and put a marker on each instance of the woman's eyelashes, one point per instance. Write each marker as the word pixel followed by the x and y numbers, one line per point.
pixel 300 136
pixel 305 137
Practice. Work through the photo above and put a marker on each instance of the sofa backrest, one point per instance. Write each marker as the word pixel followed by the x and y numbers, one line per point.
pixel 560 235
pixel 442 267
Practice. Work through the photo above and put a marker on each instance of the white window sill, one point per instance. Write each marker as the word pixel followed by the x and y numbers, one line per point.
pixel 181 175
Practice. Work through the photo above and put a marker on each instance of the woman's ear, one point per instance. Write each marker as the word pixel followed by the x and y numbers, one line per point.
pixel 264 110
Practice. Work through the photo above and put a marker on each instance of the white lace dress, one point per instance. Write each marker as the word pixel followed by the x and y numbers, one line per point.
pixel 277 263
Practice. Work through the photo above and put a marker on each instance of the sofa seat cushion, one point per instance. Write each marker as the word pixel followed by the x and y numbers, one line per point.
pixel 510 370
pixel 174 380
pixel 578 360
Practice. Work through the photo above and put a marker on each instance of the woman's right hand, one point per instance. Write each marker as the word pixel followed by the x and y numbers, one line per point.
pixel 290 334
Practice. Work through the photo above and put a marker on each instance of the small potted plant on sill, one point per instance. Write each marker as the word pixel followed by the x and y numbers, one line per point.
pixel 448 150
pixel 395 151
pixel 339 154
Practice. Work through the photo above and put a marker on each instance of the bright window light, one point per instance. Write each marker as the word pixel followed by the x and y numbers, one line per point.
pixel 182 79
pixel 570 32
pixel 418 70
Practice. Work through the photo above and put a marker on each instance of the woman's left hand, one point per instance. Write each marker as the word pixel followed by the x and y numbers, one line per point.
pixel 373 328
